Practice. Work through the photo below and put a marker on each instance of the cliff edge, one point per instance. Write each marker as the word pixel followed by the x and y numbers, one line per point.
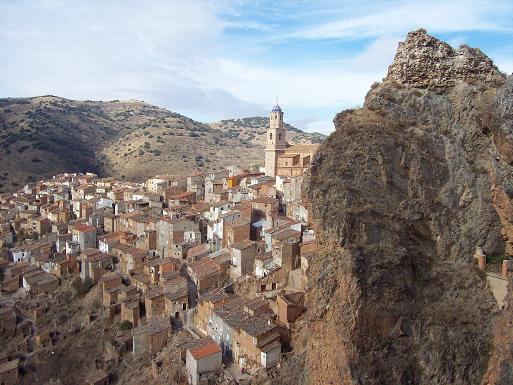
pixel 401 194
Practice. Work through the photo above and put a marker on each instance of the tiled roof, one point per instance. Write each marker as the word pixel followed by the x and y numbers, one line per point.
pixel 176 294
pixel 203 347
pixel 244 244
pixel 265 200
pixel 204 268
pixel 198 250
pixel 238 223
pixel 256 326
pixel 214 296
pixel 83 227
pixel 302 148
pixel 155 292
pixel 256 303
pixel 158 261
pixel 286 234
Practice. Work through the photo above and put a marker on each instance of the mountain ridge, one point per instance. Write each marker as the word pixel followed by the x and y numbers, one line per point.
pixel 46 135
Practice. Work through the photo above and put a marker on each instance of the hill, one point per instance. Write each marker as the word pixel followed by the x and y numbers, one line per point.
pixel 47 135
pixel 253 129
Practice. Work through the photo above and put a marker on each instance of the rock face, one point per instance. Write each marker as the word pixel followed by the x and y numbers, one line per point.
pixel 425 62
pixel 401 195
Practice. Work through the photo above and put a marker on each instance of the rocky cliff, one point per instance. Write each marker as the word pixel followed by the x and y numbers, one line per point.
pixel 401 195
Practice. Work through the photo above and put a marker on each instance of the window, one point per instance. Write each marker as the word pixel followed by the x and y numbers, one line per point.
pixel 271 135
pixel 279 136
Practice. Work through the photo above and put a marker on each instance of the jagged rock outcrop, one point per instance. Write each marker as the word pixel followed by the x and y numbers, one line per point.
pixel 401 194
pixel 425 62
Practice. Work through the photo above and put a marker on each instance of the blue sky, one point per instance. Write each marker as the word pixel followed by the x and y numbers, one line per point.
pixel 216 59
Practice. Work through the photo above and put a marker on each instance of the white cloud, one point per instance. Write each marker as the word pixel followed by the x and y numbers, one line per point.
pixel 312 124
pixel 397 17
pixel 378 54
pixel 505 63
pixel 301 87
pixel 195 58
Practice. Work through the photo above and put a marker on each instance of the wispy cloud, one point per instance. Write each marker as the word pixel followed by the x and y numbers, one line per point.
pixel 213 59
pixel 396 17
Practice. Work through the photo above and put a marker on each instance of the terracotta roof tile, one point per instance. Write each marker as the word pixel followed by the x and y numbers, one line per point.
pixel 203 347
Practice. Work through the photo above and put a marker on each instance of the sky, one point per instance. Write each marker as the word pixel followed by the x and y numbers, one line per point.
pixel 221 59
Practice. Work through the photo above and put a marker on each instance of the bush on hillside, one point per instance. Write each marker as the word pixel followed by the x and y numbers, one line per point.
pixel 80 287
pixel 125 325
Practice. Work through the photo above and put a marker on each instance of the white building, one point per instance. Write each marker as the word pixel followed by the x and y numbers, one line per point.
pixel 104 202
pixel 203 356
pixel 20 254
pixel 215 228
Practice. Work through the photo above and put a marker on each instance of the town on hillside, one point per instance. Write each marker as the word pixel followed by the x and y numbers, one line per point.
pixel 180 279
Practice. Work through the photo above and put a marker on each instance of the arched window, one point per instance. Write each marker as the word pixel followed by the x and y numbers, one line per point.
pixel 279 136
pixel 271 135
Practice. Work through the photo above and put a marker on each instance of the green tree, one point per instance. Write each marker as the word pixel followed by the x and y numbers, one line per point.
pixel 125 325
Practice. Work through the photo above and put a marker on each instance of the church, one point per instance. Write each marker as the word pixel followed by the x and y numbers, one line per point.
pixel 282 159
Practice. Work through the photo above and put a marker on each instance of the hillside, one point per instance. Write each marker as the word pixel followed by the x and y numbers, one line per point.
pixel 47 135
pixel 253 129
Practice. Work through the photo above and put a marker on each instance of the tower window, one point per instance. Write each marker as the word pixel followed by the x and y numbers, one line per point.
pixel 279 136
pixel 270 135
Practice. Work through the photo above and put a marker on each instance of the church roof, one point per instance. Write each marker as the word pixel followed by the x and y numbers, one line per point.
pixel 302 148
pixel 276 108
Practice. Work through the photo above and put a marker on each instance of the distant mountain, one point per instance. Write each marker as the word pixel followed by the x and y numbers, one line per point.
pixel 253 129
pixel 46 135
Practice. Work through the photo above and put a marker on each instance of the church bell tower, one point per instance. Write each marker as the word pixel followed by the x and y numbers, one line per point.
pixel 275 141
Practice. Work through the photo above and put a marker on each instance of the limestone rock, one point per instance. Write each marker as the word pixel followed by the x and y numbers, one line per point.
pixel 401 194
pixel 425 62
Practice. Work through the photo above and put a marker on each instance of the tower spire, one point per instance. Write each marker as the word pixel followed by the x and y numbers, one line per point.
pixel 275 143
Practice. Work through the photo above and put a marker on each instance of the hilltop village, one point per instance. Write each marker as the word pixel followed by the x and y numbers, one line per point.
pixel 186 278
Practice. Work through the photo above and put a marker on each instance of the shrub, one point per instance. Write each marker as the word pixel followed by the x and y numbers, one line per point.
pixel 81 287
pixel 125 325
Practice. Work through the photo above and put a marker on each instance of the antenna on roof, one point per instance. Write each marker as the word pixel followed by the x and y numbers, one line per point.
pixel 277 101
